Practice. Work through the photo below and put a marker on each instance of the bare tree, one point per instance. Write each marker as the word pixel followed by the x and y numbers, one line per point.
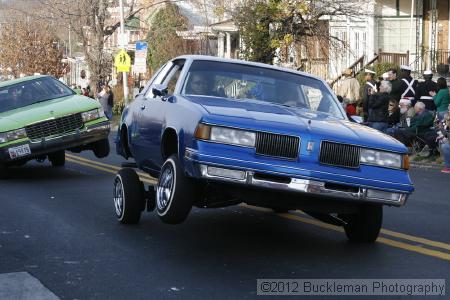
pixel 28 47
pixel 88 20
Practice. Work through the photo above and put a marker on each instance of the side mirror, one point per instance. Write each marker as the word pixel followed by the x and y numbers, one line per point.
pixel 356 119
pixel 160 90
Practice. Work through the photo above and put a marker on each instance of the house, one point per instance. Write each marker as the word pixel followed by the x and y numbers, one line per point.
pixel 413 32
pixel 409 32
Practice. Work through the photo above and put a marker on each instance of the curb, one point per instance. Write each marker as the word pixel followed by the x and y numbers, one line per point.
pixel 426 165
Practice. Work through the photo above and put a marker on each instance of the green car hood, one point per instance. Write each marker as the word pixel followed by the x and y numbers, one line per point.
pixel 55 108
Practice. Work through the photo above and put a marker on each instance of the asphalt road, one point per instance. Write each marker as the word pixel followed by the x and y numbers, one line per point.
pixel 58 224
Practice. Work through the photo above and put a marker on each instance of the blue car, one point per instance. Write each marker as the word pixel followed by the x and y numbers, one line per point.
pixel 219 132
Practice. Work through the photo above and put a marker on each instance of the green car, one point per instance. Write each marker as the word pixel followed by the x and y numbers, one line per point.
pixel 40 118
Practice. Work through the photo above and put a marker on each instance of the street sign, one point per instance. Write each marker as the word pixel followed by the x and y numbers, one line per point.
pixel 122 61
pixel 139 69
pixel 140 58
pixel 141 46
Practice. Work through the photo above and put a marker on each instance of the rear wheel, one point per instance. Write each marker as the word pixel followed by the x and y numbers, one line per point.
pixel 175 192
pixel 364 226
pixel 3 171
pixel 101 148
pixel 129 200
pixel 58 159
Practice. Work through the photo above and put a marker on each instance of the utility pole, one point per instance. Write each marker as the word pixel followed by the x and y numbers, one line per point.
pixel 122 45
pixel 70 40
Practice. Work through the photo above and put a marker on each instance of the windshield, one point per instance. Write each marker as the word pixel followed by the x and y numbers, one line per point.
pixel 30 92
pixel 243 83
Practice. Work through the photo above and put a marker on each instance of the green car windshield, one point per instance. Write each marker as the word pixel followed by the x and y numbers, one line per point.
pixel 32 91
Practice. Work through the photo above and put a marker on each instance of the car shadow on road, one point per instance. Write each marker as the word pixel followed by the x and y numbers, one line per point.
pixel 42 172
pixel 237 237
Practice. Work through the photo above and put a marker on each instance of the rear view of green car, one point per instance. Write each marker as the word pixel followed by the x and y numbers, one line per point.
pixel 41 117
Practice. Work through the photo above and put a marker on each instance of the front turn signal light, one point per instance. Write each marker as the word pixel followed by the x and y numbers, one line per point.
pixel 203 132
pixel 405 164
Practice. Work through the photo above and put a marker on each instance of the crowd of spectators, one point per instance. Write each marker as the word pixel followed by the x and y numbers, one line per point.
pixel 415 113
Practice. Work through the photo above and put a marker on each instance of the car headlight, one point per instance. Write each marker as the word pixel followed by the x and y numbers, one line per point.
pixel 384 159
pixel 226 135
pixel 3 137
pixel 91 115
pixel 13 135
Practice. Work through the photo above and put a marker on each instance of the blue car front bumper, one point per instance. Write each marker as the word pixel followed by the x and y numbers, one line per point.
pixel 239 165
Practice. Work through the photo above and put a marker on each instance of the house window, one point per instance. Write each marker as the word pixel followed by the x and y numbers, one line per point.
pixel 304 54
pixel 319 52
pixel 364 42
pixel 357 45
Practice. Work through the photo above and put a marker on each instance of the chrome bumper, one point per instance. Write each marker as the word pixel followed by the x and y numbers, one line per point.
pixel 47 145
pixel 303 186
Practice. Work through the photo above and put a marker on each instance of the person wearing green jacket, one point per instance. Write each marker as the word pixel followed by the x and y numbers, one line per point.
pixel 441 98
pixel 421 126
pixel 422 122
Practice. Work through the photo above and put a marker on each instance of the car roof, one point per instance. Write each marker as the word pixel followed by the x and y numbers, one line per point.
pixel 245 62
pixel 19 80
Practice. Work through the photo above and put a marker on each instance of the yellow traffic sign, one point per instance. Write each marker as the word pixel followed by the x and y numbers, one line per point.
pixel 122 61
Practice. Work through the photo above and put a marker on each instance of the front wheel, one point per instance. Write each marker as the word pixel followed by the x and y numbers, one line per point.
pixel 129 200
pixel 364 226
pixel 101 148
pixel 58 159
pixel 175 192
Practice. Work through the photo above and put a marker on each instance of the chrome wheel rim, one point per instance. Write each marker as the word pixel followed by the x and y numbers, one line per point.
pixel 165 189
pixel 118 197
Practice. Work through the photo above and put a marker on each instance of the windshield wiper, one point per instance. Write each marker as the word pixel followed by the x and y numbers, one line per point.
pixel 52 98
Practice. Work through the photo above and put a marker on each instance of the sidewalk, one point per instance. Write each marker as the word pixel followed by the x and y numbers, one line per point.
pixel 115 122
pixel 425 162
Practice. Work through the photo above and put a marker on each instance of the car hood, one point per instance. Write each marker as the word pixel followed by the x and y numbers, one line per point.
pixel 21 117
pixel 258 115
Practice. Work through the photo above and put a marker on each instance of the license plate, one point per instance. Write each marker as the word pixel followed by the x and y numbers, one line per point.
pixel 19 151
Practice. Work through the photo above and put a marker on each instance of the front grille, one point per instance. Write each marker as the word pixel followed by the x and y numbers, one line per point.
pixel 340 155
pixel 54 127
pixel 277 145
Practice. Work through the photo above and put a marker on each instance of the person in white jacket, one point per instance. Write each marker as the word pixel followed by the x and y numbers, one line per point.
pixel 102 97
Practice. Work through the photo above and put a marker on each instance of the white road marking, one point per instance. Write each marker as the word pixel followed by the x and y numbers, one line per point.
pixel 23 286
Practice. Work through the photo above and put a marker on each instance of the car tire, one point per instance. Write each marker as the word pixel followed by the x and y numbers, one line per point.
pixel 364 226
pixel 58 159
pixel 101 148
pixel 128 196
pixel 3 171
pixel 175 192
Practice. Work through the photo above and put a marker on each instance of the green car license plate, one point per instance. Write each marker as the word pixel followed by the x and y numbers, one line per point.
pixel 19 151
